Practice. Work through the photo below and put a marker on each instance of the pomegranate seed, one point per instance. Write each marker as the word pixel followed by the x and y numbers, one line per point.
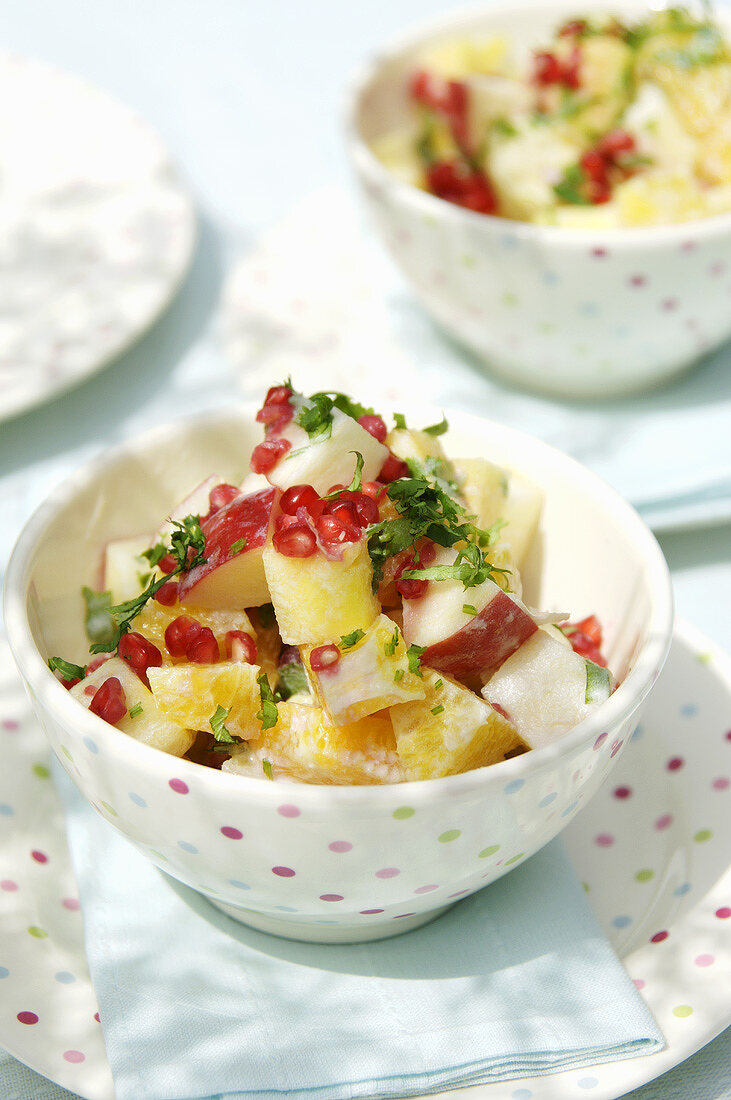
pixel 598 193
pixel 546 69
pixel 337 489
pixel 366 509
pixel 375 426
pixel 296 541
pixel 332 529
pixel 266 455
pixel 274 417
pixel 177 633
pixel 168 594
pixel 571 75
pixel 278 395
pixel 411 588
pixel 240 647
pixel 167 563
pixel 139 653
pixel 221 495
pixel 282 523
pixel 373 489
pixel 68 684
pixel 345 511
pixel 324 657
pixel 393 468
pixel 594 166
pixel 89 689
pixel 583 645
pixel 615 143
pixel 591 626
pixel 109 701
pixel 298 496
pixel 202 648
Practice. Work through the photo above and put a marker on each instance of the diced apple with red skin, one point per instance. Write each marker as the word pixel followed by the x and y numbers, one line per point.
pixel 232 578
pixel 149 725
pixel 450 731
pixel 466 643
pixel 327 460
pixel 123 566
pixel 546 689
pixel 196 503
pixel 368 677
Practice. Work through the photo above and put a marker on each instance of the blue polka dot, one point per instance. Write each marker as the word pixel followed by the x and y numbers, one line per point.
pixel 548 800
pixel 138 800
pixel 91 745
pixel 588 309
pixel 4 971
pixel 285 908
pixel 569 809
pixel 587 1082
pixel 64 977
pixel 514 785
pixel 550 278
pixel 622 332
pixel 639 731
pixel 239 885
pixel 681 890
pixel 5 810
pixel 509 241
pixel 188 847
pixel 689 710
pixel 326 922
pixel 622 921
pixel 521 1094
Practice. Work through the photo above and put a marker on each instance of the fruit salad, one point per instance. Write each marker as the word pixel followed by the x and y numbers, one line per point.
pixel 351 614
pixel 609 124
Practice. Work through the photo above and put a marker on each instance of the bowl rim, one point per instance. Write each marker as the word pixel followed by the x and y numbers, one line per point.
pixel 430 206
pixel 55 699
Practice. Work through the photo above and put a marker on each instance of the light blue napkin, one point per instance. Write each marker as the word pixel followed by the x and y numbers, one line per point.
pixel 513 981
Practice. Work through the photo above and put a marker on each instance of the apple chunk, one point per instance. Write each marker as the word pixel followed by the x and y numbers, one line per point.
pixel 466 631
pixel 546 689
pixel 233 574
pixel 328 460
pixel 123 567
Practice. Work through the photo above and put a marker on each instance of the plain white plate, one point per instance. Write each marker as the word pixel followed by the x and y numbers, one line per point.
pixel 651 849
pixel 96 233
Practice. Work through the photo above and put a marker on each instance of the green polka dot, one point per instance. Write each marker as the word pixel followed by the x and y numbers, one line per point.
pixel 705 658
pixel 586 887
pixel 682 1010
pixel 644 876
pixel 37 933
pixel 702 835
pixel 546 327
pixel 581 349
pixel 109 809
pixel 489 851
pixel 509 299
pixel 451 834
pixel 403 812
pixel 468 260
pixel 66 753
pixel 514 859
pixel 41 771
pixel 429 219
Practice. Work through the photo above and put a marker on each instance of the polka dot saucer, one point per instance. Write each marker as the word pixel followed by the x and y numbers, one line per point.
pixel 651 849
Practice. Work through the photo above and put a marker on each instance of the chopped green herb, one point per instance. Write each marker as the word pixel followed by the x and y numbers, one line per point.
pixel 439 683
pixel 470 566
pixel 414 654
pixel 399 421
pixel 598 683
pixel 68 670
pixel 469 609
pixel 135 710
pixel 570 187
pixel 268 715
pixel 398 675
pixel 347 641
pixel 437 429
pixel 351 408
pixel 392 644
pixel 98 622
pixel 236 547
pixel 155 554
pixel 504 128
pixel 124 613
pixel 216 722
pixel 357 481
pixel 316 417
pixel 438 709
pixel 266 767
pixel 187 536
pixel 292 680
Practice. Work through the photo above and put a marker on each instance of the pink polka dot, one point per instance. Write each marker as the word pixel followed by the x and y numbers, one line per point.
pixel 669 304
pixel 331 897
pixel 659 937
pixel 604 840
pixel 39 857
pixel 675 763
pixel 231 832
pixel 688 246
pixel 728 735
pixel 664 821
pixel 638 280
pixel 27 1018
pixel 717 269
pixel 288 810
pixel 622 792
pixel 639 983
pixel 724 912
pixel 369 912
pixel 178 786
pixel 616 746
pixel 425 889
pixel 283 872
pixel 388 872
pixel 8 884
pixel 704 960
pixel 400 915
pixel 10 725
pixel 600 741
pixel 71 903
pixel 340 846
pixel 599 253
pixel 720 784
pixel 74 1056
pixel 96 1017
pixel 458 894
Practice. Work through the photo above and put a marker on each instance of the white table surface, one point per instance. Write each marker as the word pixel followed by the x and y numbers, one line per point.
pixel 247 96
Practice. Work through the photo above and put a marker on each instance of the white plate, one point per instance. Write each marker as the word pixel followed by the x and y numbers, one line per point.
pixel 651 848
pixel 96 231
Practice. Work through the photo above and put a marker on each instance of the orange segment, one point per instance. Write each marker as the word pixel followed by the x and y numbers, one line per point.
pixel 154 620
pixel 189 695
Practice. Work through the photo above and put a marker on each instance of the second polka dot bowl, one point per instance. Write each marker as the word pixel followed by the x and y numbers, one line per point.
pixel 319 863
pixel 578 313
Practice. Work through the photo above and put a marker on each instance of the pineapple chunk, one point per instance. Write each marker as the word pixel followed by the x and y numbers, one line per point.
pixel 155 618
pixel 370 676
pixel 522 513
pixel 150 725
pixel 524 169
pixel 327 460
pixel 492 493
pixel 467 733
pixel 318 599
pixel 660 197
pixel 658 131
pixel 189 694
pixel 484 488
pixel 396 151
pixel 410 443
pixel 305 746
pixel 123 567
pixel 456 58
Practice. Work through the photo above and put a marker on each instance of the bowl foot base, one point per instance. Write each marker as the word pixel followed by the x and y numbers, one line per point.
pixel 327 933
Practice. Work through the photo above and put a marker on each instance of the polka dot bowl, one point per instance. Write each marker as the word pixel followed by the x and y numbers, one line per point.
pixel 328 863
pixel 576 312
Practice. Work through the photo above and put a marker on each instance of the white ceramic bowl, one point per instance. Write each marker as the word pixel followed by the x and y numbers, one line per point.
pixel 580 313
pixel 334 863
